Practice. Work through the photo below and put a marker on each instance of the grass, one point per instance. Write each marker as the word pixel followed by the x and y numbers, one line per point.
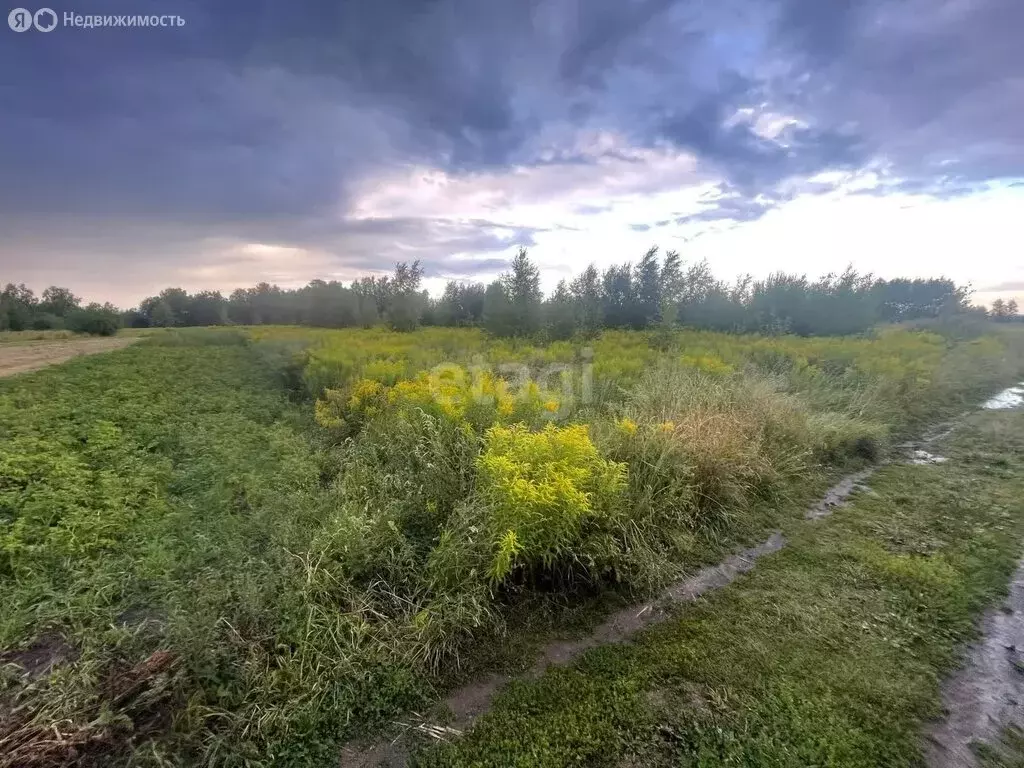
pixel 245 548
pixel 151 499
pixel 1006 752
pixel 829 653
pixel 20 337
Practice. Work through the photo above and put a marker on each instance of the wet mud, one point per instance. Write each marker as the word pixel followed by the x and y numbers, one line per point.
pixel 987 693
pixel 471 701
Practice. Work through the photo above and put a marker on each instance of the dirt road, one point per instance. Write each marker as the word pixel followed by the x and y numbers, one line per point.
pixel 22 358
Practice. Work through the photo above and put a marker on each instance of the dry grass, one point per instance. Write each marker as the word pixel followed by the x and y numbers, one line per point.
pixel 31 356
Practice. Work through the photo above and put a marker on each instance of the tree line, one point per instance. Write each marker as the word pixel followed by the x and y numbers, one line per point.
pixel 655 292
pixel 1005 311
pixel 57 309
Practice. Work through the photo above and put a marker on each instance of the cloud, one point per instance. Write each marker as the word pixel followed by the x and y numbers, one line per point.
pixel 452 130
pixel 1008 285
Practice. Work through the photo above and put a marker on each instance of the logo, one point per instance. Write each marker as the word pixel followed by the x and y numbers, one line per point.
pixel 22 20
pixel 45 20
pixel 19 20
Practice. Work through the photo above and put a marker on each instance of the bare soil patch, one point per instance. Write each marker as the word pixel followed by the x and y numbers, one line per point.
pixel 22 358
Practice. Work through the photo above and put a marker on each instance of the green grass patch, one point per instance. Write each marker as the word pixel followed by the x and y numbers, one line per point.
pixel 829 653
pixel 234 547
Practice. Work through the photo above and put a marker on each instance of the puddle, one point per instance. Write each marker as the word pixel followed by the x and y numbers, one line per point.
pixel 469 702
pixel 977 699
pixel 628 621
pixel 988 692
pixel 839 493
pixel 923 457
pixel 1008 398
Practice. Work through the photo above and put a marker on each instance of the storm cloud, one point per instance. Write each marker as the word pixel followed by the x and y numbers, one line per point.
pixel 273 123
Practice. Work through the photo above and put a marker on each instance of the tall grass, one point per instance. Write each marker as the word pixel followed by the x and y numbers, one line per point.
pixel 246 547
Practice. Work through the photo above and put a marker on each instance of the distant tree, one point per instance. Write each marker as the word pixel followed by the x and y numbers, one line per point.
pixel 498 318
pixel 59 301
pixel 178 303
pixel 95 319
pixel 587 296
pixel 367 315
pixel 671 288
pixel 134 318
pixel 559 313
pixel 904 299
pixel 428 311
pixel 273 306
pixel 327 305
pixel 1004 310
pixel 839 304
pixel 521 285
pixel 460 304
pixel 647 291
pixel 777 304
pixel 240 308
pixel 651 294
pixel 619 310
pixel 161 315
pixel 207 308
pixel 17 307
pixel 405 303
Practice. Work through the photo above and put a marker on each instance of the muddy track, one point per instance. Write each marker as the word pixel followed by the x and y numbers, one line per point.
pixel 471 701
pixel 987 692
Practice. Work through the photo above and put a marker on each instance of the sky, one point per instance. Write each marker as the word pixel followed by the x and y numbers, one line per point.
pixel 288 141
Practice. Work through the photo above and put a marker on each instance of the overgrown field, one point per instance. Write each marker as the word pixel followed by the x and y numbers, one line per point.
pixel 232 548
pixel 829 653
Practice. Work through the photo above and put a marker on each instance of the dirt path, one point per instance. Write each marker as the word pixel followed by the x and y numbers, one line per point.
pixel 987 693
pixel 471 701
pixel 978 699
pixel 22 358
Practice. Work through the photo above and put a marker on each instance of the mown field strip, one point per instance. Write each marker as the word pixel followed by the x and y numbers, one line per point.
pixel 31 356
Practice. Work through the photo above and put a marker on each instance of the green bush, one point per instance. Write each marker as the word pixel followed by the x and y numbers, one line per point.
pixel 95 319
pixel 542 494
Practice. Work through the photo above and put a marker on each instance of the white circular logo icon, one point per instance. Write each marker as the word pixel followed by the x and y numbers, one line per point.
pixel 45 20
pixel 19 20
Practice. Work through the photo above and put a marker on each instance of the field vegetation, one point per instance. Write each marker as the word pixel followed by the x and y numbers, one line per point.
pixel 829 653
pixel 247 546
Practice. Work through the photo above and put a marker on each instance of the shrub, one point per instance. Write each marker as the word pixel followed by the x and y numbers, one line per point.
pixel 95 319
pixel 543 495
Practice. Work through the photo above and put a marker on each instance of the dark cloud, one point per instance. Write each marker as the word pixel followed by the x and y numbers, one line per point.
pixel 257 120
pixel 731 207
pixel 934 86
